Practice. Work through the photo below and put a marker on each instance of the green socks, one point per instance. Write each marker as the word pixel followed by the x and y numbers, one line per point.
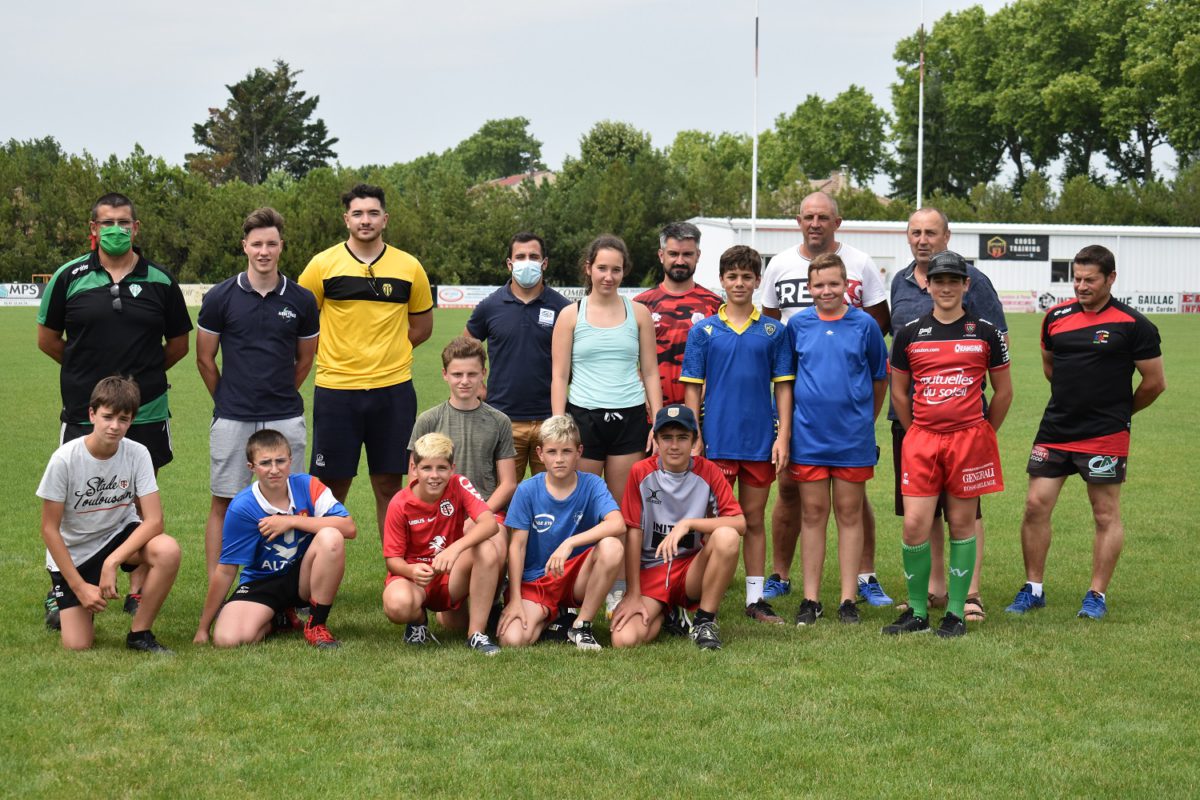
pixel 917 566
pixel 962 567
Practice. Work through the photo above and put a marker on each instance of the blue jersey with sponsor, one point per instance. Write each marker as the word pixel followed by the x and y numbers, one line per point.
pixel 550 520
pixel 837 363
pixel 738 368
pixel 243 545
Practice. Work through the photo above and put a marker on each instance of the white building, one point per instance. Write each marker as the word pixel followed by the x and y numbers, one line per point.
pixel 1158 269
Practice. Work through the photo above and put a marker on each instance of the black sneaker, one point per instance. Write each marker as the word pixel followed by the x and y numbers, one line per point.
pixel 53 623
pixel 480 643
pixel 417 633
pixel 146 643
pixel 908 622
pixel 761 611
pixel 810 611
pixel 582 637
pixel 132 601
pixel 676 623
pixel 848 613
pixel 556 631
pixel 952 626
pixel 706 635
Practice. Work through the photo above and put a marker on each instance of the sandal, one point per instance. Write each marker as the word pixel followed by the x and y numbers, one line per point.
pixel 935 601
pixel 973 610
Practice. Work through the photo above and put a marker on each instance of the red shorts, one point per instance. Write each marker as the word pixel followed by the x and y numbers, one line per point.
pixel 665 583
pixel 750 473
pixel 437 593
pixel 553 591
pixel 965 463
pixel 806 473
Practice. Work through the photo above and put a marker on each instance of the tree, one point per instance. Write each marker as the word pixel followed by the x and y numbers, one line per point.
pixel 711 173
pixel 819 137
pixel 501 147
pixel 264 127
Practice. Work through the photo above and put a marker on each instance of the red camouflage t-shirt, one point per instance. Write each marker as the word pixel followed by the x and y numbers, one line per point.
pixel 674 315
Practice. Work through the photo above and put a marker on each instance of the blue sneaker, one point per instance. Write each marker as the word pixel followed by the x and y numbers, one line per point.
pixel 1094 606
pixel 776 587
pixel 1025 601
pixel 873 593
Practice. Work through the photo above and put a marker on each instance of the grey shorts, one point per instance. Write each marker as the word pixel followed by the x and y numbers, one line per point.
pixel 227 471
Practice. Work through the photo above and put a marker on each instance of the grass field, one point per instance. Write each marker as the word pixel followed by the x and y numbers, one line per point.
pixel 1042 706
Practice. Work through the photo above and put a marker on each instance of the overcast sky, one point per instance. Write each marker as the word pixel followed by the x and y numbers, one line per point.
pixel 402 79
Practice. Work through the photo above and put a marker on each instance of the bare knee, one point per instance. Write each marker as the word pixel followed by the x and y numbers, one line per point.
pixel 609 551
pixel 163 551
pixel 725 542
pixel 330 541
pixel 400 606
pixel 631 635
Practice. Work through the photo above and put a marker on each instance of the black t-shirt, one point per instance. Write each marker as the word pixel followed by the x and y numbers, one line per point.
pixel 1091 392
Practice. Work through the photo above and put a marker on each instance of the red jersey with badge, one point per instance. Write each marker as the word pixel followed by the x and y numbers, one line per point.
pixel 674 315
pixel 417 531
pixel 948 363
pixel 1091 391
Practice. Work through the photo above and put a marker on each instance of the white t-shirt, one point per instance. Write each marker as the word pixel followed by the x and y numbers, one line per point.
pixel 97 495
pixel 785 282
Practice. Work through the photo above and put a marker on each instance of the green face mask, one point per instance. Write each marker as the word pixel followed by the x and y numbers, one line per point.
pixel 115 240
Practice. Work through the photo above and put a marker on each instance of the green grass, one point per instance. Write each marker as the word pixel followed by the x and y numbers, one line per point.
pixel 1044 706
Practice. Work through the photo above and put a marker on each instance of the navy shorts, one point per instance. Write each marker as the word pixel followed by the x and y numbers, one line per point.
pixel 277 592
pixel 611 432
pixel 156 436
pixel 346 419
pixel 90 569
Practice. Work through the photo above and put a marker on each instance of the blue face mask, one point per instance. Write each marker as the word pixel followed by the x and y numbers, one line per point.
pixel 527 273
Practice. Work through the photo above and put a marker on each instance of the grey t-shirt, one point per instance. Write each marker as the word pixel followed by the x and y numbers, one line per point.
pixel 98 495
pixel 480 437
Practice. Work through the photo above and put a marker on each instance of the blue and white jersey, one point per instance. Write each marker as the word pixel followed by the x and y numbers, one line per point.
pixel 551 521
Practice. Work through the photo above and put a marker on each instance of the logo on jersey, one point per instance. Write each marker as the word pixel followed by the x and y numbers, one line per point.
pixel 944 386
pixel 284 549
pixel 287 313
pixel 124 483
pixel 968 327
pixel 446 508
pixel 1103 467
pixel 1039 454
pixel 828 332
pixel 1100 337
pixel 437 545
pixel 135 289
pixel 657 317
pixel 925 331
pixel 546 318
pixel 319 460
pixel 653 497
pixel 978 477
pixel 708 329
pixel 387 290
pixel 769 328
pixel 542 523
pixel 968 348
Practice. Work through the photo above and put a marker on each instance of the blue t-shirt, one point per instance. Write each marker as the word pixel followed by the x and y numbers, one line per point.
pixel 518 341
pixel 550 521
pixel 738 369
pixel 243 545
pixel 837 363
pixel 258 346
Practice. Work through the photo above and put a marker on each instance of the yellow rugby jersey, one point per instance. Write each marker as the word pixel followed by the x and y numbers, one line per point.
pixel 364 316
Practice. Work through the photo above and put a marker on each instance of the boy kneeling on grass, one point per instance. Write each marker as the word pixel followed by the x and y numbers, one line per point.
pixel 90 494
pixel 566 543
pixel 432 563
pixel 287 532
pixel 685 532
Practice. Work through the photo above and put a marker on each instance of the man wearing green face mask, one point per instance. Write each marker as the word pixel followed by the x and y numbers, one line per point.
pixel 112 312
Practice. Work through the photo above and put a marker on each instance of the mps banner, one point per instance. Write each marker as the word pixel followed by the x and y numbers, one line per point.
pixel 21 294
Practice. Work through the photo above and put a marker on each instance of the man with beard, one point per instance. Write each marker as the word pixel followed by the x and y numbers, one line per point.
pixel 375 306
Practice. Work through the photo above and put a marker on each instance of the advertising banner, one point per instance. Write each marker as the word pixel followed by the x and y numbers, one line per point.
pixel 1189 302
pixel 1018 301
pixel 1013 247
pixel 1145 302
pixel 21 294
pixel 470 296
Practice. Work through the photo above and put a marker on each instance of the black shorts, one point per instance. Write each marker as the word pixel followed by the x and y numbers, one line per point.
pixel 346 419
pixel 90 569
pixel 897 443
pixel 277 592
pixel 1045 461
pixel 156 436
pixel 612 432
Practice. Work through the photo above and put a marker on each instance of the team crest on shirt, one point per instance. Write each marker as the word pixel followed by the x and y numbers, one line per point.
pixel 124 483
pixel 135 289
pixel 387 290
pixel 769 328
pixel 437 545
pixel 1100 337
pixel 542 523
pixel 447 508
pixel 925 331
pixel 653 497
pixel 968 328
pixel 287 313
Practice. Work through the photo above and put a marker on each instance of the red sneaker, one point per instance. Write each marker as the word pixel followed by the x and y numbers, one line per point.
pixel 319 636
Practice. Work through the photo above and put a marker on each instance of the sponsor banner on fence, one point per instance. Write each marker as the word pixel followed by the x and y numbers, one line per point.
pixel 471 296
pixel 1145 302
pixel 21 294
pixel 1018 301
pixel 1011 247
pixel 1189 302
pixel 193 293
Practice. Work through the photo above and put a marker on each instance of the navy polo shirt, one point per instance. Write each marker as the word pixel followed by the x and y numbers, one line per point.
pixel 518 338
pixel 258 346
pixel 910 302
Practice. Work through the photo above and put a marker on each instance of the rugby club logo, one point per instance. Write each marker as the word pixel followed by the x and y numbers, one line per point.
pixel 446 508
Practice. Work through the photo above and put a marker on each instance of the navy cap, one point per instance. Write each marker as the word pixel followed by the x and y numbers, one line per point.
pixel 947 262
pixel 675 415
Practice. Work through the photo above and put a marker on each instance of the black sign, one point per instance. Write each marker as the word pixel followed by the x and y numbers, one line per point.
pixel 1013 247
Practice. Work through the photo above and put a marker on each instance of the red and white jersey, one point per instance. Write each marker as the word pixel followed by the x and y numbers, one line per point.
pixel 785 281
pixel 417 531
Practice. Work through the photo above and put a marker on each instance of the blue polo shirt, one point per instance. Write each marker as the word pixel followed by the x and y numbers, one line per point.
pixel 258 346
pixel 910 302
pixel 518 338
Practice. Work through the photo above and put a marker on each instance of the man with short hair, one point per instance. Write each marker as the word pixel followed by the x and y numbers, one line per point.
pixel 1090 348
pixel 267 328
pixel 785 292
pixel 375 306
pixel 517 323
pixel 677 303
pixel 928 233
pixel 113 312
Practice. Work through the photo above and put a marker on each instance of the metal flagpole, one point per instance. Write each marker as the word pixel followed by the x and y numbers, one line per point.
pixel 754 128
pixel 921 111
